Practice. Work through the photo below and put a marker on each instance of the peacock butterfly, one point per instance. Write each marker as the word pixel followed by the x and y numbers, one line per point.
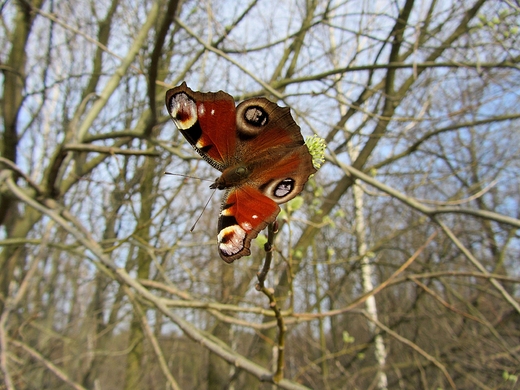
pixel 260 151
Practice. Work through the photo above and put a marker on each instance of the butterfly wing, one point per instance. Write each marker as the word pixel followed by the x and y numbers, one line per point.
pixel 206 120
pixel 262 126
pixel 271 148
pixel 245 212
pixel 250 207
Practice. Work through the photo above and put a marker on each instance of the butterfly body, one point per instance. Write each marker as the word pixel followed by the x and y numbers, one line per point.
pixel 258 148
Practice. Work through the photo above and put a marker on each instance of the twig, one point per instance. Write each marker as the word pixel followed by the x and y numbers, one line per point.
pixel 461 201
pixel 443 302
pixel 230 59
pixel 282 329
pixel 448 273
pixel 376 290
pixel 110 150
pixel 73 227
pixel 512 301
pixel 19 171
pixel 153 340
pixel 434 212
pixel 430 211
pixel 53 368
pixel 411 345
pixel 10 304
pixel 271 232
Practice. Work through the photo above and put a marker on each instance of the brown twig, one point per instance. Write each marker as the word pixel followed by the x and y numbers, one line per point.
pixel 269 292
pixel 376 290
pixel 268 246
pixel 74 227
pixel 15 168
pixel 110 150
pixel 151 337
pixel 443 302
pixel 412 345
pixel 50 366
pixel 11 303
pixel 282 329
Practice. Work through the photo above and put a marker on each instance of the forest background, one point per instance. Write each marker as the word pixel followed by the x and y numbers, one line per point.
pixel 400 268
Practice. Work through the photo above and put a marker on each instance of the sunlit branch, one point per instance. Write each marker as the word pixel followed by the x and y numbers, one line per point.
pixel 430 211
pixel 110 150
pixel 74 228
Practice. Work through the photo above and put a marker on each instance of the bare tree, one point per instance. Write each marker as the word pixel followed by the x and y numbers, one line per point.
pixel 397 267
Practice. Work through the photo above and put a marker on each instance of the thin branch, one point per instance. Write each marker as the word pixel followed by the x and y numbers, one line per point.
pixel 282 329
pixel 376 290
pixel 433 212
pixel 456 126
pixel 461 201
pixel 512 301
pixel 268 246
pixel 269 292
pixel 50 366
pixel 110 150
pixel 63 218
pixel 66 26
pixel 439 274
pixel 442 301
pixel 11 303
pixel 153 340
pixel 220 53
pixel 351 171
pixel 412 345
pixel 119 73
pixel 338 72
pixel 19 171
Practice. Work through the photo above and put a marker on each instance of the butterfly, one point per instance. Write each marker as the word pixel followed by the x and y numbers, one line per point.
pixel 260 151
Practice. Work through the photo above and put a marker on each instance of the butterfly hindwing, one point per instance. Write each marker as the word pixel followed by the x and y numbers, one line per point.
pixel 245 212
pixel 288 172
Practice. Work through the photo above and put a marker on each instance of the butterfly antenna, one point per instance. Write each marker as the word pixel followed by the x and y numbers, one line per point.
pixel 204 209
pixel 188 176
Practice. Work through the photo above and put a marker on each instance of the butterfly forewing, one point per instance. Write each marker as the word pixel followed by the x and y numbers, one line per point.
pixel 206 120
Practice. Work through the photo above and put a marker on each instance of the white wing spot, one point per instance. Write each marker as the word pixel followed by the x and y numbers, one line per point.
pixel 234 240
pixel 181 105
